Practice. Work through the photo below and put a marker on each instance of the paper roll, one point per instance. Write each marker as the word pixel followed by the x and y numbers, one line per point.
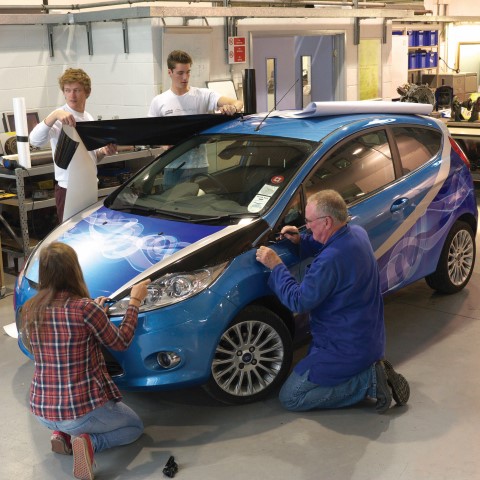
pixel 21 129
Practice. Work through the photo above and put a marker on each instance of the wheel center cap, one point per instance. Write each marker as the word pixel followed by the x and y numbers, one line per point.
pixel 247 357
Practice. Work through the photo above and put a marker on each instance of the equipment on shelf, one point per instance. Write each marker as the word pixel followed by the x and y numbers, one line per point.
pixel 443 97
pixel 475 111
pixel 6 137
pixel 460 109
pixel 416 93
pixel 457 107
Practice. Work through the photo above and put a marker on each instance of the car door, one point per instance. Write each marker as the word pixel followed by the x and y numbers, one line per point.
pixel 381 197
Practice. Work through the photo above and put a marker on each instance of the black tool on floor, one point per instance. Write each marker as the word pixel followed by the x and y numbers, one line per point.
pixel 171 468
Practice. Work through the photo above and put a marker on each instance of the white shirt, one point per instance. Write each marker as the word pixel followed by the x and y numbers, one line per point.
pixel 42 133
pixel 196 101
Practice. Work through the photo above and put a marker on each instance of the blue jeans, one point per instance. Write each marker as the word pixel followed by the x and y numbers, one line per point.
pixel 299 394
pixel 108 426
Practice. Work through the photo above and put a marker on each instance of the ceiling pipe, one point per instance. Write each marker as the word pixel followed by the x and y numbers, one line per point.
pixel 316 3
pixel 321 3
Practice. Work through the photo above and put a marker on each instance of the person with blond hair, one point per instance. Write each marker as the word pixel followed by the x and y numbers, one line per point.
pixel 341 291
pixel 76 87
pixel 72 392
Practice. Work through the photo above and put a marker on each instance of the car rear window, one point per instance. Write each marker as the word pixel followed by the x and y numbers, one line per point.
pixel 416 145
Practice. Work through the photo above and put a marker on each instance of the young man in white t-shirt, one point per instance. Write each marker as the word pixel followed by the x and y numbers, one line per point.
pixel 76 87
pixel 182 99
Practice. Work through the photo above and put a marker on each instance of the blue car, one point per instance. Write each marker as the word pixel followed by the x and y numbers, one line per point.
pixel 209 318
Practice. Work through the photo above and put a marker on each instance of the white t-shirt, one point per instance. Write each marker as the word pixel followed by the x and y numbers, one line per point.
pixel 42 133
pixel 196 101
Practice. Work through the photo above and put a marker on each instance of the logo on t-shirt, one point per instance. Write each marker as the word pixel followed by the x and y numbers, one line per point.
pixel 169 112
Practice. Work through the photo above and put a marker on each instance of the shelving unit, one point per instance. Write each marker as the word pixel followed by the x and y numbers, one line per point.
pixel 422 51
pixel 20 245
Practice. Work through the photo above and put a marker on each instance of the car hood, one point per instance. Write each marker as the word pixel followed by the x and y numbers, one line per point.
pixel 116 249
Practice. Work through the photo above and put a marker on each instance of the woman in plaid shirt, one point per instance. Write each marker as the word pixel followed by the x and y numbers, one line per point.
pixel 72 392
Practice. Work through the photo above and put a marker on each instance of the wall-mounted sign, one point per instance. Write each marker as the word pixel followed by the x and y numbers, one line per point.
pixel 237 49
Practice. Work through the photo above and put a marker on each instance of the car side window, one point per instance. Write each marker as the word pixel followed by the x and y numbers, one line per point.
pixel 416 146
pixel 293 214
pixel 355 168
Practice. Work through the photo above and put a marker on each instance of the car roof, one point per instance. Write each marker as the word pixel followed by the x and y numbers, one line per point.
pixel 315 128
pixel 316 121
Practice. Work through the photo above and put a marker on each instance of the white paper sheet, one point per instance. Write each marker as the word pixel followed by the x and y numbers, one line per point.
pixel 82 188
pixel 11 330
pixel 319 109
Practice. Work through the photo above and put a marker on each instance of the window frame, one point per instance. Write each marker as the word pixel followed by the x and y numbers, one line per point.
pixel 396 159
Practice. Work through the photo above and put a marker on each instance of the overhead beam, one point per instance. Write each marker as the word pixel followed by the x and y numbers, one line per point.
pixel 278 12
pixel 198 12
pixel 194 11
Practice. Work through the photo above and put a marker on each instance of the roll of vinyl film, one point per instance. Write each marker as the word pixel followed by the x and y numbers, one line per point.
pixel 21 130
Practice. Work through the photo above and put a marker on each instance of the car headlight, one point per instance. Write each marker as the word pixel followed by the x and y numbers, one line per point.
pixel 171 288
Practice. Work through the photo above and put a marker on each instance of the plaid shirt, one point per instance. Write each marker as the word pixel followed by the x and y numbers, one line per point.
pixel 71 377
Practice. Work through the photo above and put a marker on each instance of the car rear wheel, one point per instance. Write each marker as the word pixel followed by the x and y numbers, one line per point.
pixel 455 266
pixel 252 358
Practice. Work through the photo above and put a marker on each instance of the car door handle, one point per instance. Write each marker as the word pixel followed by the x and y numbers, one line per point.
pixel 399 204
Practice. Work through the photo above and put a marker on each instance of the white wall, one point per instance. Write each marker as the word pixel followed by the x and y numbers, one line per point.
pixel 123 84
pixel 456 34
pixel 454 7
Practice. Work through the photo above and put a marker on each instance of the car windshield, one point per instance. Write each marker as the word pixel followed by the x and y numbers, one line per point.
pixel 214 178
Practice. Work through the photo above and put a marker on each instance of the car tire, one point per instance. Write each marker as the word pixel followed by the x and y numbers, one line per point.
pixel 252 358
pixel 456 262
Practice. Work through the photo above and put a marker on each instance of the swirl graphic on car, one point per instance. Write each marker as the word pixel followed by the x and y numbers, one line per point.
pixel 117 237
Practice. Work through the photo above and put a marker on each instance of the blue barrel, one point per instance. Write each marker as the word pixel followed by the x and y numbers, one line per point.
pixel 433 37
pixel 420 38
pixel 412 60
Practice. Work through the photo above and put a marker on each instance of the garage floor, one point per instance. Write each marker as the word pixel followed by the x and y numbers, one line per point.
pixel 433 340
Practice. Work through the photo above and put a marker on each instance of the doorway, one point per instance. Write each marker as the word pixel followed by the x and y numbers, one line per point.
pixel 294 70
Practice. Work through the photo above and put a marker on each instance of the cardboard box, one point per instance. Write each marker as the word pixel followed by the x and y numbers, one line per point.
pixel 471 82
pixel 456 81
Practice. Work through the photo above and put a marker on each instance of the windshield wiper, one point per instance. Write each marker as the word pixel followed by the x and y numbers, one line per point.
pixel 152 211
pixel 132 208
pixel 229 216
pixel 174 215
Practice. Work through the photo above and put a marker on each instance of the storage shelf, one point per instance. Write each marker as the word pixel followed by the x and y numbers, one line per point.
pixel 25 205
pixel 30 204
pixel 421 69
pixel 423 47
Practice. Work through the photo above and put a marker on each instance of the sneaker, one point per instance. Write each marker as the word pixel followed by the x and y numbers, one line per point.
pixel 83 457
pixel 384 395
pixel 398 384
pixel 61 443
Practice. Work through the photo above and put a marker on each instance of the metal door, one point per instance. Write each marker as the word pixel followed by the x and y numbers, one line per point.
pixel 282 79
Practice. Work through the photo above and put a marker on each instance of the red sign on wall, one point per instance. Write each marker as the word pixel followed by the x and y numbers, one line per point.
pixel 237 49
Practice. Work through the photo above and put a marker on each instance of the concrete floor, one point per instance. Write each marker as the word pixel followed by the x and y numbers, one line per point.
pixel 433 340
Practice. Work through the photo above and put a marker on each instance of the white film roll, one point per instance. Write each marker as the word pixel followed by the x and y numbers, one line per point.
pixel 21 130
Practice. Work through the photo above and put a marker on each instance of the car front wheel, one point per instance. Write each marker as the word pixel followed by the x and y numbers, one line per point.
pixel 455 266
pixel 252 358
